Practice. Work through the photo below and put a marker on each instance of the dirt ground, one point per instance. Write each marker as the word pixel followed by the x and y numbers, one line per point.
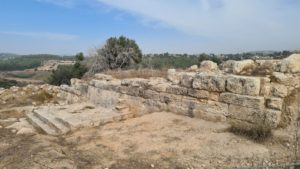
pixel 158 140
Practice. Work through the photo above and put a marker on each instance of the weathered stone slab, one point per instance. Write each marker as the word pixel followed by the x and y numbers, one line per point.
pixel 278 90
pixel 175 89
pixel 106 85
pixel 168 98
pixel 243 85
pixel 150 94
pixel 211 110
pixel 244 117
pixel 265 86
pixel 286 79
pixel 209 82
pixel 100 76
pixel 173 76
pixel 208 66
pixel 291 64
pixel 272 118
pixel 200 94
pixel 135 82
pixel 274 103
pixel 242 100
pixel 242 67
pixel 186 79
pixel 158 84
pixel 214 96
pixel 103 98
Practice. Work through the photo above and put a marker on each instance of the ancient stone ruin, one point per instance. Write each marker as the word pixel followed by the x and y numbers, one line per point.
pixel 248 95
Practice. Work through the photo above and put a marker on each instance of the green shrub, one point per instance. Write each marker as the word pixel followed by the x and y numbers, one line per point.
pixel 64 73
pixel 4 83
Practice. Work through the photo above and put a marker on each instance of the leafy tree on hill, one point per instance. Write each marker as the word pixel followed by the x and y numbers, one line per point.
pixel 117 53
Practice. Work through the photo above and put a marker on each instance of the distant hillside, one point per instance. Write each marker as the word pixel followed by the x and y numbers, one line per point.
pixel 7 55
pixel 12 62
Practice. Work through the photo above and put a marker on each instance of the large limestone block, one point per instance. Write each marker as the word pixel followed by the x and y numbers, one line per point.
pixel 243 67
pixel 207 110
pixel 242 100
pixel 106 85
pixel 272 118
pixel 286 79
pixel 100 76
pixel 239 67
pixel 208 66
pixel 265 86
pixel 274 103
pixel 278 90
pixel 82 89
pixel 266 67
pixel 173 76
pixel 75 81
pixel 103 98
pixel 291 64
pixel 227 66
pixel 211 110
pixel 186 79
pixel 170 98
pixel 200 94
pixel 243 85
pixel 193 68
pixel 150 94
pixel 247 118
pixel 158 84
pixel 155 105
pixel 175 89
pixel 135 82
pixel 209 82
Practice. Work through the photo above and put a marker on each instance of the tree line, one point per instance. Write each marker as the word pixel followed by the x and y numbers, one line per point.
pixel 22 62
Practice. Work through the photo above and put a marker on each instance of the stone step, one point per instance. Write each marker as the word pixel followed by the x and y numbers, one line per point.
pixel 52 121
pixel 40 125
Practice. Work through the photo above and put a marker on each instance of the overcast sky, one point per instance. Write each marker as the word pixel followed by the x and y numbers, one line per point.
pixel 176 26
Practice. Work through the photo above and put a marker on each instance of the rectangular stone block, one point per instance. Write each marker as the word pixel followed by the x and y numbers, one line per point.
pixel 186 79
pixel 278 90
pixel 272 118
pixel 200 94
pixel 175 89
pixel 243 85
pixel 265 86
pixel 161 87
pixel 103 98
pixel 209 82
pixel 274 103
pixel 211 110
pixel 173 76
pixel 168 98
pixel 214 96
pixel 150 94
pixel 243 100
pixel 246 114
pixel 247 118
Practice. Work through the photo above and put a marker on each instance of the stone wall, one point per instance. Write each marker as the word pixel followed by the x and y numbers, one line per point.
pixel 246 102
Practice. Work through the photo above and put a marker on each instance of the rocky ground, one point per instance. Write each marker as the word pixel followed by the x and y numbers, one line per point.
pixel 158 140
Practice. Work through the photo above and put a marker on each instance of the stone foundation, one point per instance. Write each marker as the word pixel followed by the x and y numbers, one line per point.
pixel 243 101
